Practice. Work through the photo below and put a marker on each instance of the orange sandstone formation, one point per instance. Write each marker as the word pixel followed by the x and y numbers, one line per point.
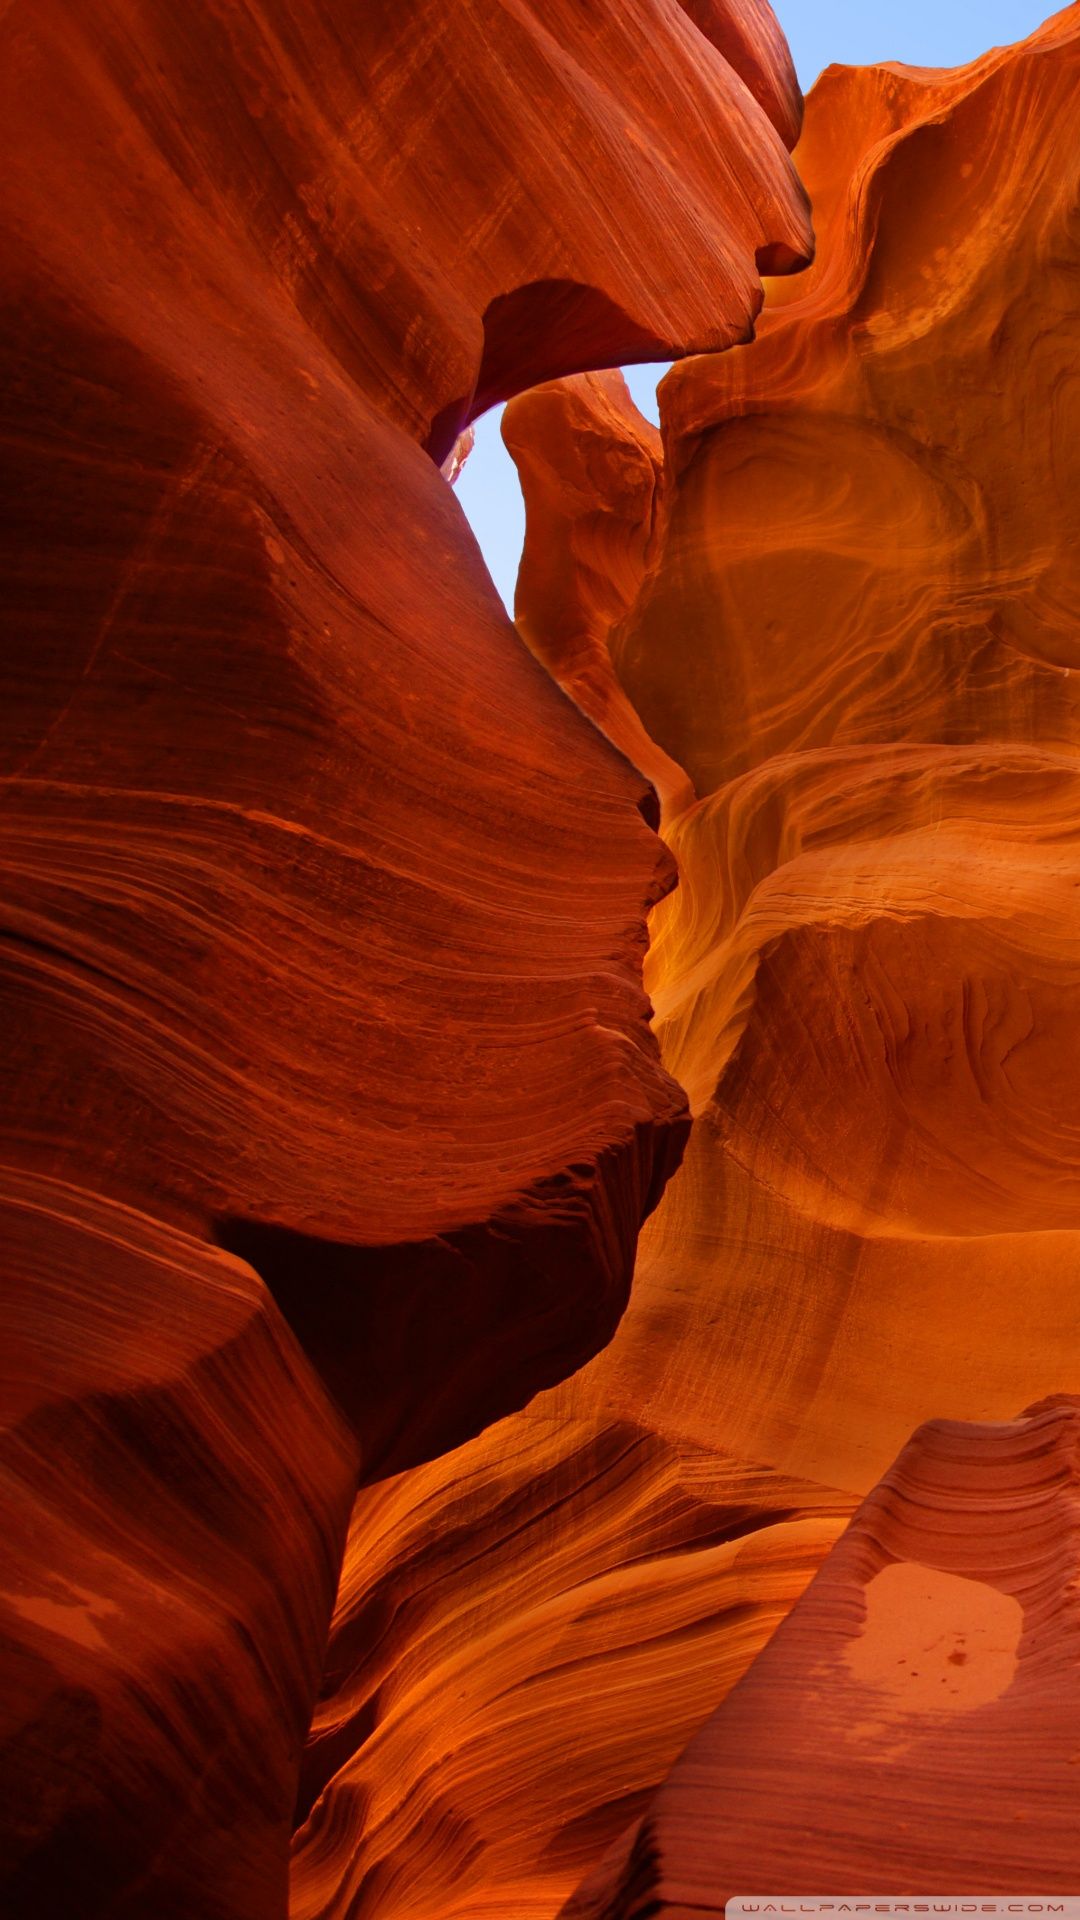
pixel 325 909
pixel 914 1724
pixel 845 605
pixel 332 1108
pixel 853 627
pixel 590 470
pixel 868 984
pixel 527 1633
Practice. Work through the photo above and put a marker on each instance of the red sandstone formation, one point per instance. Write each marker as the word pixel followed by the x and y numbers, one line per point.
pixel 175 1490
pixel 332 1108
pixel 847 607
pixel 915 1723
pixel 325 908
pixel 590 470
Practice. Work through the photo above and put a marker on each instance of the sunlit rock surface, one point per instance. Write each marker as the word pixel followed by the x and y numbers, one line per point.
pixel 332 1110
pixel 325 908
pixel 915 1723
pixel 845 609
pixel 868 983
pixel 527 1633
pixel 589 465
pixel 855 627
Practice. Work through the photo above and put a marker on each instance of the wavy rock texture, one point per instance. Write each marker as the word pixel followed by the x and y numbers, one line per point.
pixel 854 627
pixel 175 1493
pixel 590 469
pixel 527 1632
pixel 845 605
pixel 322 952
pixel 915 1722
pixel 393 992
pixel 868 984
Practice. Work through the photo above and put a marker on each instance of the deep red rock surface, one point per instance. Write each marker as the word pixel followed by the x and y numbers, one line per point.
pixel 175 1490
pixel 325 909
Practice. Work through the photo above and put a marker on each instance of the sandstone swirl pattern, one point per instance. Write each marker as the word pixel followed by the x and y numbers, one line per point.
pixel 913 1724
pixel 324 909
pixel 868 984
pixel 844 609
pixel 527 1633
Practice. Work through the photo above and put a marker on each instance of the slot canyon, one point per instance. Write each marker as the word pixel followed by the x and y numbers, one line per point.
pixel 541 1156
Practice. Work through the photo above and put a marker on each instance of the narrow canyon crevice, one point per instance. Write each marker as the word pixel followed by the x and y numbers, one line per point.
pixel 506 1411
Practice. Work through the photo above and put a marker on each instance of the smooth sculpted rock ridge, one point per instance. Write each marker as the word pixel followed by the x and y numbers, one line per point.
pixel 915 1722
pixel 834 616
pixel 527 1633
pixel 331 1108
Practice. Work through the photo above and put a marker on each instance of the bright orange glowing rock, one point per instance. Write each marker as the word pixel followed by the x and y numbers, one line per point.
pixel 914 1724
pixel 852 626
pixel 527 1633
pixel 847 606
pixel 867 985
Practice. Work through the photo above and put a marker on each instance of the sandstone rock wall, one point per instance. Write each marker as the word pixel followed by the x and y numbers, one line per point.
pixel 913 1722
pixel 331 1111
pixel 835 618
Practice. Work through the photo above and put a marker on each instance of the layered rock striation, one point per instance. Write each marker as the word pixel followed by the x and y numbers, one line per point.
pixel 853 627
pixel 913 1724
pixel 526 1634
pixel 175 1491
pixel 333 1111
pixel 867 985
pixel 834 618
pixel 331 1107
